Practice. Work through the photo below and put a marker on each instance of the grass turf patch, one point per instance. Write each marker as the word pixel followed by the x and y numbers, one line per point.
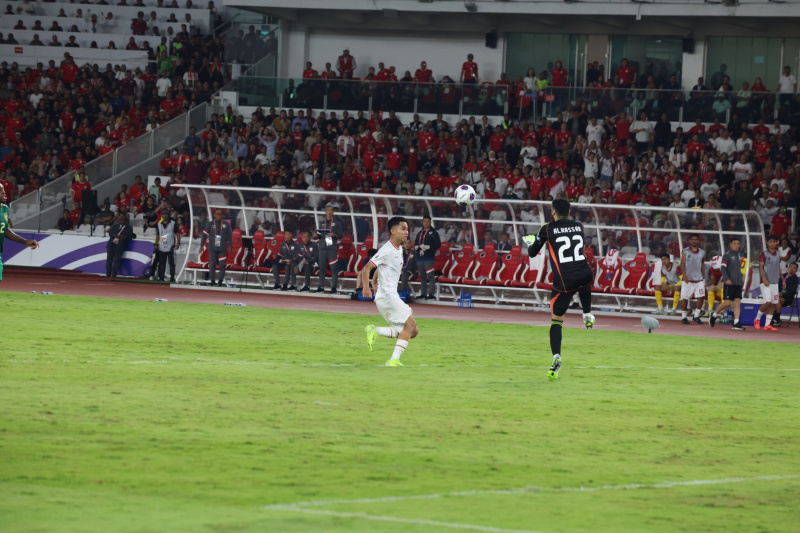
pixel 147 416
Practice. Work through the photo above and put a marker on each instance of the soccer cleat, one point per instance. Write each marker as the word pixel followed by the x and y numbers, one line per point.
pixel 757 324
pixel 685 321
pixel 659 311
pixel 394 362
pixel 588 320
pixel 697 321
pixel 777 323
pixel 738 327
pixel 552 374
pixel 712 320
pixel 371 335
pixel 769 327
pixel 671 311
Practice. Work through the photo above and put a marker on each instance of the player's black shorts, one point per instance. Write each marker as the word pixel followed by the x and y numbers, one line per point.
pixel 788 299
pixel 731 292
pixel 559 301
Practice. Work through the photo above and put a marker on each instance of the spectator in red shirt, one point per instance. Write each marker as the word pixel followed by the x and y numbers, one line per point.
pixel 309 73
pixel 622 125
pixel 423 73
pixel 139 26
pixel 76 191
pixel 626 75
pixel 346 64
pixel 469 70
pixel 559 77
pixel 781 223
pixel 67 119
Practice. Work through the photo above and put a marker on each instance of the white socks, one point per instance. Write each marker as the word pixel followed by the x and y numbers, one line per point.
pixel 399 348
pixel 386 332
pixel 683 314
pixel 759 315
pixel 697 313
pixel 768 321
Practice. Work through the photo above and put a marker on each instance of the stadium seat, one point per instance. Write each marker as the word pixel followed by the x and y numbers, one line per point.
pixel 509 272
pixel 202 261
pixel 608 269
pixel 237 252
pixel 361 254
pixel 347 254
pixel 274 246
pixel 547 284
pixel 443 258
pixel 463 263
pixel 588 253
pixel 485 267
pixel 259 252
pixel 533 272
pixel 633 275
pixel 653 278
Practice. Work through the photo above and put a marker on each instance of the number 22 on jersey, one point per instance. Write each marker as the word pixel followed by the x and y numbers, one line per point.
pixel 569 251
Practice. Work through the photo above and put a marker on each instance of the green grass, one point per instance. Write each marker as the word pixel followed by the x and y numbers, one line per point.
pixel 134 416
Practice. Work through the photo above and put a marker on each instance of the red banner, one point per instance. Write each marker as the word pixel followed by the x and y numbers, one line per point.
pixel 17 49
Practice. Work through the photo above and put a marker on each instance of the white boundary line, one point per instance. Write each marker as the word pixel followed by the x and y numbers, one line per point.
pixel 212 362
pixel 530 490
pixel 420 521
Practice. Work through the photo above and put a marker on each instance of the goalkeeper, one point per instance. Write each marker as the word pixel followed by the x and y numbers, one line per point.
pixel 571 273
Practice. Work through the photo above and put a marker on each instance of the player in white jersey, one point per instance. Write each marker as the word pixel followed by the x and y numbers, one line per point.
pixel 389 262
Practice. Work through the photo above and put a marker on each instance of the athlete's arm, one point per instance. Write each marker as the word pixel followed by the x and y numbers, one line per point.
pixel 366 275
pixel 683 262
pixel 538 244
pixel 30 243
pixel 764 280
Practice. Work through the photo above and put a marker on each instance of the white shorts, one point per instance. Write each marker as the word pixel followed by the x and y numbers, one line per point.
pixel 394 310
pixel 691 290
pixel 770 295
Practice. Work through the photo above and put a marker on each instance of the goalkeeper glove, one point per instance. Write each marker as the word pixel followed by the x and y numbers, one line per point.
pixel 529 239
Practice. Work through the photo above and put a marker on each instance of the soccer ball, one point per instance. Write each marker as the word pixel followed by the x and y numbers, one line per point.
pixel 465 195
pixel 588 321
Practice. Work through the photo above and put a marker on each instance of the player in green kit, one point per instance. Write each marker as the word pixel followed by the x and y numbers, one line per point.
pixel 5 230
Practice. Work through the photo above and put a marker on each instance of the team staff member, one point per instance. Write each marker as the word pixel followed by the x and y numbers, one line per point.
pixel 5 230
pixel 119 236
pixel 732 284
pixel 693 283
pixel 409 265
pixel 307 251
pixel 769 268
pixel 219 237
pixel 788 295
pixel 426 243
pixel 572 274
pixel 168 241
pixel 329 234
pixel 289 260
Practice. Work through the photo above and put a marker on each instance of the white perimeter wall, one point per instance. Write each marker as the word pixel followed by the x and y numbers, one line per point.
pixel 444 52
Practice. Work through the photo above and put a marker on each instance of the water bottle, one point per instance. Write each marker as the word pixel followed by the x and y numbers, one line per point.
pixel 161 300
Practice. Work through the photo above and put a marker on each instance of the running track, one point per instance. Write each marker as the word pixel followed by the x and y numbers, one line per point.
pixel 76 283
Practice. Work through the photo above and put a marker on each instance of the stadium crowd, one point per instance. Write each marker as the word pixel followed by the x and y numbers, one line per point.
pixel 57 117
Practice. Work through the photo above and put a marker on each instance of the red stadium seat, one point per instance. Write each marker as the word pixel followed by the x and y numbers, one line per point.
pixel 510 271
pixel 588 253
pixel 237 251
pixel 653 278
pixel 361 254
pixel 274 246
pixel 606 276
pixel 485 267
pixel 633 276
pixel 533 272
pixel 547 284
pixel 260 252
pixel 443 258
pixel 202 260
pixel 674 249
pixel 347 254
pixel 463 263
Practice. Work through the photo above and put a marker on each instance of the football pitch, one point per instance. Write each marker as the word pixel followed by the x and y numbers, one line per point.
pixel 139 416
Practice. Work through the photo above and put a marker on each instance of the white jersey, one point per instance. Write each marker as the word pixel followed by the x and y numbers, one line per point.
pixel 389 261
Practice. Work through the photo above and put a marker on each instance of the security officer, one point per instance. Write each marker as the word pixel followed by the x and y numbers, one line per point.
pixel 307 251
pixel 219 236
pixel 426 243
pixel 119 236
pixel 329 233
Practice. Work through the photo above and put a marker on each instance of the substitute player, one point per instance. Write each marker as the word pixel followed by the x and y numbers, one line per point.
pixel 670 283
pixel 732 284
pixel 389 262
pixel 571 273
pixel 693 284
pixel 5 230
pixel 714 283
pixel 769 268
pixel 787 297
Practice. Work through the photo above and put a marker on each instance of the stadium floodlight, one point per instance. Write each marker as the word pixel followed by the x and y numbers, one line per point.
pixel 471 6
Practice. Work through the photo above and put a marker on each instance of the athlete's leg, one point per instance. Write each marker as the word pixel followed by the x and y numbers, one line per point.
pixel 409 331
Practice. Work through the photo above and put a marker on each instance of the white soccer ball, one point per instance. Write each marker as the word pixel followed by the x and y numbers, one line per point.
pixel 465 195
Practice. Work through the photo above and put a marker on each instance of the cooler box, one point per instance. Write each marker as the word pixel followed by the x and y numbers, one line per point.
pixel 749 310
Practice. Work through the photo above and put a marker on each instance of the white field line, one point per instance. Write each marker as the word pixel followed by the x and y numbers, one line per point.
pixel 213 362
pixel 418 521
pixel 526 490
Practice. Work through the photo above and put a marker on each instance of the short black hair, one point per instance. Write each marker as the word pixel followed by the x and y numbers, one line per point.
pixel 561 207
pixel 426 216
pixel 772 238
pixel 735 239
pixel 394 221
pixel 665 254
pixel 793 263
pixel 694 235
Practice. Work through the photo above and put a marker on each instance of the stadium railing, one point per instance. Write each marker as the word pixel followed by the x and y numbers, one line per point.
pixel 630 230
pixel 140 156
